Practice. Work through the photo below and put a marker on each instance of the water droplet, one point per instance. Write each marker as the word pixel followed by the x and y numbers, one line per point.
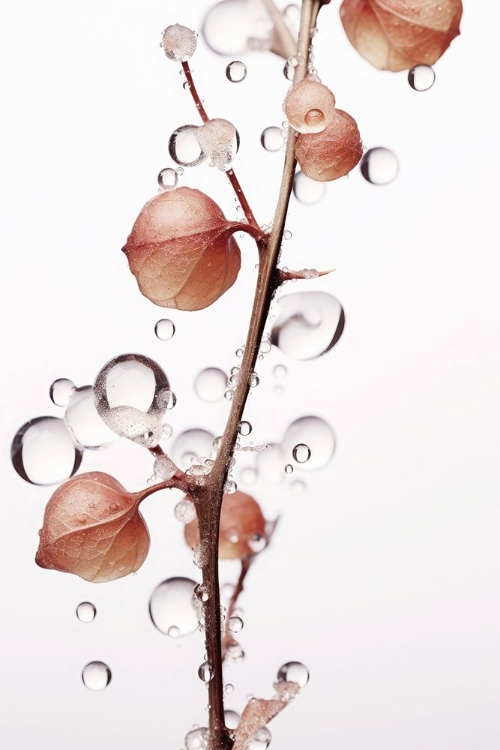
pixel 184 148
pixel 43 452
pixel 219 140
pixel 167 179
pixel 235 652
pixel 270 463
pixel 235 624
pixel 200 554
pixel 96 675
pixel 421 77
pixel 86 612
pixel 236 71
pixel 210 384
pixel 287 235
pixel 262 739
pixel 231 719
pixel 272 139
pixel 308 191
pixel 166 431
pixel 257 543
pixel 301 453
pixel 201 593
pixel 172 606
pixel 197 739
pixel 239 352
pixel 293 671
pixel 379 166
pixel 230 487
pixel 60 391
pixel 173 631
pixel 185 511
pixel 280 372
pixel 253 380
pixel 205 672
pixel 298 487
pixel 232 27
pixel 132 394
pixel 244 428
pixel 229 395
pixel 308 325
pixel 84 422
pixel 164 329
pixel 288 469
pixel 190 445
pixel 315 433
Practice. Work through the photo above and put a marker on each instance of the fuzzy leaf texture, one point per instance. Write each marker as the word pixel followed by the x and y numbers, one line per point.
pixel 332 153
pixel 181 250
pixel 259 712
pixel 92 528
pixel 399 34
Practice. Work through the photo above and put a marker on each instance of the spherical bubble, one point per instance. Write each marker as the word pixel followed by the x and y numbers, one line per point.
pixel 184 148
pixel 172 606
pixel 96 675
pixel 233 26
pixel 219 140
pixel 379 166
pixel 191 445
pixel 308 191
pixel 317 435
pixel 231 718
pixel 294 671
pixel 60 391
pixel 421 77
pixel 272 138
pixel 179 42
pixel 86 612
pixel 165 329
pixel 308 324
pixel 210 384
pixel 301 453
pixel 236 71
pixel 44 453
pixel 168 178
pixel 87 428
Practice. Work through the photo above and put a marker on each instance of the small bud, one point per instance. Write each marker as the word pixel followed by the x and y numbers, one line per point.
pixel 309 106
pixel 179 42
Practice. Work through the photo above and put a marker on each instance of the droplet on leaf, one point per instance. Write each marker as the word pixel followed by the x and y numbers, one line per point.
pixel 333 152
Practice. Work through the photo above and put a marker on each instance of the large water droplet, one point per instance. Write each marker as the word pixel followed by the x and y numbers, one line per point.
pixel 165 329
pixel 210 384
pixel 379 166
pixel 315 433
pixel 233 26
pixel 43 452
pixel 236 71
pixel 205 672
pixel 84 422
pixel 190 446
pixel 184 148
pixel 172 606
pixel 197 739
pixel 272 138
pixel 421 77
pixel 86 611
pixel 96 675
pixel 60 391
pixel 308 191
pixel 132 394
pixel 235 624
pixel 294 671
pixel 308 324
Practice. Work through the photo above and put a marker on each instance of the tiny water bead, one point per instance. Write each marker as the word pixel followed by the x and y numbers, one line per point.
pixel 184 148
pixel 262 739
pixel 172 606
pixel 301 453
pixel 229 688
pixel 244 428
pixel 298 487
pixel 293 671
pixel 185 511
pixel 236 71
pixel 308 191
pixel 308 324
pixel 197 739
pixel 379 166
pixel 421 77
pixel 280 372
pixel 60 391
pixel 164 329
pixel 168 178
pixel 210 384
pixel 205 672
pixel 288 469
pixel 42 451
pixel 83 421
pixel 235 624
pixel 257 543
pixel 96 675
pixel 191 445
pixel 272 138
pixel 86 612
pixel 314 433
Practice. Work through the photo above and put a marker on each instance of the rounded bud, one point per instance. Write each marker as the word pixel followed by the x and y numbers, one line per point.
pixel 179 42
pixel 309 106
pixel 332 153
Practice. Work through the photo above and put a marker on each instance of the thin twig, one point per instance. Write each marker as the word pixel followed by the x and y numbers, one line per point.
pixel 227 639
pixel 284 34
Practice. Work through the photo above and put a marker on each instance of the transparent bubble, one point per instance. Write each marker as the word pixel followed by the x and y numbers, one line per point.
pixel 235 652
pixel 167 179
pixel 205 672
pixel 210 384
pixel 229 688
pixel 248 476
pixel 164 468
pixel 379 166
pixel 298 487
pixel 86 611
pixel 164 329
pixel 231 719
pixel 421 77
pixel 96 675
pixel 272 138
pixel 293 671
pixel 236 71
pixel 43 452
pixel 288 469
pixel 280 372
pixel 132 394
pixel 257 543
pixel 270 463
pixel 301 453
pixel 197 739
pixel 60 391
pixel 179 42
pixel 253 380
pixel 317 435
pixel 308 324
pixel 190 445
pixel 230 488
pixel 172 606
pixel 308 191
pixel 233 26
pixel 201 593
pixel 84 422
pixel 184 148
pixel 185 511
pixel 235 624
pixel 244 428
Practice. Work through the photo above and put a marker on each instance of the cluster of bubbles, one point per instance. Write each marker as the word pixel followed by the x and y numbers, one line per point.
pixel 217 140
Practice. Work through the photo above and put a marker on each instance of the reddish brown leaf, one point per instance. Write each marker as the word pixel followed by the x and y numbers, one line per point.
pixel 399 34
pixel 242 528
pixel 332 153
pixel 181 250
pixel 92 527
pixel 259 711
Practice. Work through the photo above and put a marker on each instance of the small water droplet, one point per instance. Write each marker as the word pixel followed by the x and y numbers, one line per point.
pixel 205 672
pixel 201 592
pixel 257 543
pixel 210 384
pixel 167 179
pixel 280 372
pixel 42 451
pixel 287 235
pixel 236 71
pixel 239 352
pixel 60 391
pixel 261 740
pixel 301 453
pixel 229 395
pixel 200 555
pixel 96 675
pixel 308 191
pixel 231 719
pixel 293 671
pixel 379 166
pixel 165 329
pixel 235 624
pixel 244 428
pixel 184 148
pixel 86 611
pixel 272 139
pixel 190 445
pixel 229 688
pixel 288 468
pixel 254 380
pixel 298 487
pixel 172 606
pixel 230 487
pixel 421 77
pixel 185 511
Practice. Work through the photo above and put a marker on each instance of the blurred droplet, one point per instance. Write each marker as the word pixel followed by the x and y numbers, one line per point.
pixel 308 191
pixel 236 71
pixel 164 329
pixel 190 446
pixel 308 324
pixel 43 452
pixel 60 391
pixel 231 718
pixel 315 433
pixel 96 675
pixel 421 77
pixel 210 384
pixel 86 611
pixel 379 166
pixel 171 606
pixel 261 740
pixel 233 26
pixel 235 624
pixel 84 422
pixel 197 739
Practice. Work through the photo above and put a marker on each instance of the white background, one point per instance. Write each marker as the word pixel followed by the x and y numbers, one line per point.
pixel 383 578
